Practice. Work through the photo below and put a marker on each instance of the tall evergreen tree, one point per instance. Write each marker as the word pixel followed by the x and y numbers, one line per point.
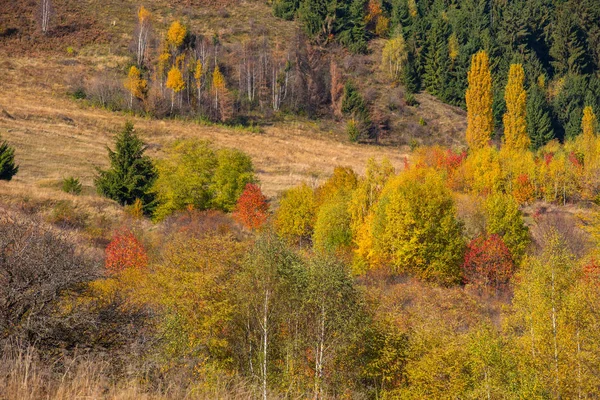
pixel 437 59
pixel 131 173
pixel 539 122
pixel 410 73
pixel 568 49
pixel 7 162
pixel 353 33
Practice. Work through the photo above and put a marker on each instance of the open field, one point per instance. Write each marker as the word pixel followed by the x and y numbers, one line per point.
pixel 55 137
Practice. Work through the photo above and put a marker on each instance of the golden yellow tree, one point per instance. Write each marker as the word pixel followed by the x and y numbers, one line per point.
pixel 175 82
pixel 588 123
pixel 588 143
pixel 480 120
pixel 143 31
pixel 218 86
pixel 176 34
pixel 515 123
pixel 198 72
pixel 136 86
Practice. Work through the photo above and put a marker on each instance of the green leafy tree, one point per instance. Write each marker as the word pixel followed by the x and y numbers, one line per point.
pixel 332 227
pixel 504 218
pixel 7 162
pixel 540 320
pixel 234 170
pixel 131 173
pixel 185 177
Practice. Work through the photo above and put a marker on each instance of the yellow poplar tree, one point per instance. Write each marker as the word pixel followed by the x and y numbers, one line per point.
pixel 136 86
pixel 515 123
pixel 175 83
pixel 480 120
pixel 176 33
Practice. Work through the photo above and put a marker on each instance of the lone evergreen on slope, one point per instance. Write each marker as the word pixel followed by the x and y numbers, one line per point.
pixel 131 173
pixel 7 162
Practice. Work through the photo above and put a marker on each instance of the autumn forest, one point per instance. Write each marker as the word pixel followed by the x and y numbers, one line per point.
pixel 363 199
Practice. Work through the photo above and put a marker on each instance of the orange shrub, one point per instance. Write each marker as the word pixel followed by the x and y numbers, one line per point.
pixel 125 251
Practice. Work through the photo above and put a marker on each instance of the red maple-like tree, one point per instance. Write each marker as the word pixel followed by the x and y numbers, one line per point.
pixel 125 251
pixel 488 262
pixel 252 208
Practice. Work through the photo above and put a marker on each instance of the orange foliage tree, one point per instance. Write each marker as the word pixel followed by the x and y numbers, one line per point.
pixel 125 251
pixel 252 208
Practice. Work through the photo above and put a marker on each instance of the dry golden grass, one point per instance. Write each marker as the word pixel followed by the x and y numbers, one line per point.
pixel 24 377
pixel 55 137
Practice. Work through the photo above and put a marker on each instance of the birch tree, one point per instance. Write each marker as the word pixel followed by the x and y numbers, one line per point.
pixel 46 13
pixel 142 34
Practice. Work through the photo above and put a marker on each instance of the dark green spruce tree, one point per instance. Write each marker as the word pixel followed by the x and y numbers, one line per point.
pixel 353 31
pixel 131 173
pixel 437 59
pixel 7 162
pixel 539 122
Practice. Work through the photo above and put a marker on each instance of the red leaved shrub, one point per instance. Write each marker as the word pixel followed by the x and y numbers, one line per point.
pixel 488 262
pixel 125 251
pixel 252 208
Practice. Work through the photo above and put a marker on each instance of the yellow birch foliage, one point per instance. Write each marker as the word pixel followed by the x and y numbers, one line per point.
pixel 394 56
pixel 218 81
pixel 587 144
pixel 143 15
pixel 480 120
pixel 482 171
pixel 163 60
pixel 198 72
pixel 175 80
pixel 515 123
pixel 134 83
pixel 588 127
pixel 176 34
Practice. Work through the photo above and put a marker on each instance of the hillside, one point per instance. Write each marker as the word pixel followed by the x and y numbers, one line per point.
pixel 59 137
pixel 243 199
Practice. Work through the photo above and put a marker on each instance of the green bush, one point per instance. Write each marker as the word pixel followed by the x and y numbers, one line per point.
pixel 194 175
pixel 71 185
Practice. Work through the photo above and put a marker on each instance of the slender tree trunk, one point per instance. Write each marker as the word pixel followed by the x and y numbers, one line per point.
pixel 319 354
pixel 554 334
pixel 265 343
